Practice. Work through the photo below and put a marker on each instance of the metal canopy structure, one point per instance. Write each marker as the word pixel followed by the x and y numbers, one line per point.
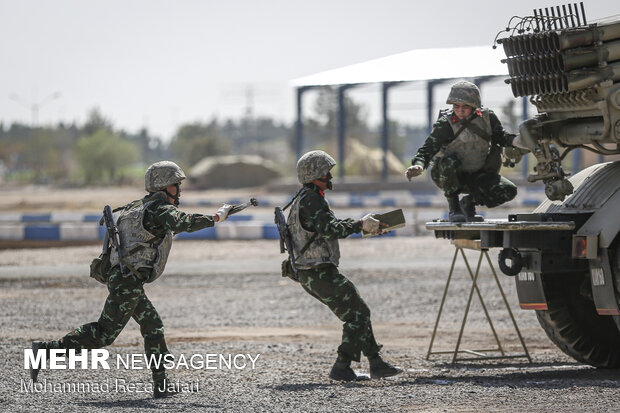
pixel 415 65
pixel 433 66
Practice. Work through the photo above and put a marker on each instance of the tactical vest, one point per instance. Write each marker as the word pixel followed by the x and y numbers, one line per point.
pixel 471 148
pixel 141 248
pixel 320 251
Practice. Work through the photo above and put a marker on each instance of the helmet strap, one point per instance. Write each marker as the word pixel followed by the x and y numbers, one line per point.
pixel 175 197
pixel 327 180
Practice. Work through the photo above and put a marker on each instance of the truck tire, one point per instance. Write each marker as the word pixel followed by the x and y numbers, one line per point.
pixel 572 323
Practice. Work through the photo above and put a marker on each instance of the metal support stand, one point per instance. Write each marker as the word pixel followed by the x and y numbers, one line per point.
pixel 478 354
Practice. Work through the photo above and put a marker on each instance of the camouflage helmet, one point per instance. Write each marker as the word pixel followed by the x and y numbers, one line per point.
pixel 162 174
pixel 465 92
pixel 313 165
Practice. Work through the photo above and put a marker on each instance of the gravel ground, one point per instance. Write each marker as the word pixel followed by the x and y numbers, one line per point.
pixel 227 297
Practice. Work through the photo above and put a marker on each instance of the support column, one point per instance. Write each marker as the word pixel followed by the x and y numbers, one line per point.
pixel 430 102
pixel 430 116
pixel 385 127
pixel 385 130
pixel 299 125
pixel 342 130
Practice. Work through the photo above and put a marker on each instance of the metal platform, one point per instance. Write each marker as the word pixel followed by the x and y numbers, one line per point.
pixel 492 232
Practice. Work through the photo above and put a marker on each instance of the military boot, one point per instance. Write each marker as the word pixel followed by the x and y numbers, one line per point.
pixel 163 389
pixel 380 368
pixel 468 207
pixel 342 371
pixel 36 346
pixel 455 214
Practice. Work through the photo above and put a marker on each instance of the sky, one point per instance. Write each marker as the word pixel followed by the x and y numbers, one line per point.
pixel 159 64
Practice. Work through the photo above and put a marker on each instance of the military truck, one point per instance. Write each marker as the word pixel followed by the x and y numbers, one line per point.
pixel 566 253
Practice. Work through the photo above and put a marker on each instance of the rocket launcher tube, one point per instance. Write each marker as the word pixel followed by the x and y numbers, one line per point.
pixel 555 41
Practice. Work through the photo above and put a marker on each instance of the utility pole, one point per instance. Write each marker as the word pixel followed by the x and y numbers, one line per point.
pixel 34 106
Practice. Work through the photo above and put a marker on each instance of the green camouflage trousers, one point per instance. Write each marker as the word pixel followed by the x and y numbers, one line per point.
pixel 126 299
pixel 487 188
pixel 333 289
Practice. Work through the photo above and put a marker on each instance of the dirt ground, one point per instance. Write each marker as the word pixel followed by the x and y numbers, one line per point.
pixel 228 298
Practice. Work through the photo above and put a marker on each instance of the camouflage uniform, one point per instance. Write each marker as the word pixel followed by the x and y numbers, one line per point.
pixel 485 184
pixel 127 299
pixel 328 285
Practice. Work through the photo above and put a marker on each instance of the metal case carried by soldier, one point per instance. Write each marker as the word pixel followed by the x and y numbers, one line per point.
pixel 395 219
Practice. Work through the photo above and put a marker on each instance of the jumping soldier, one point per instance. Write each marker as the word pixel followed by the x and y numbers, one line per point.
pixel 146 227
pixel 464 149
pixel 315 232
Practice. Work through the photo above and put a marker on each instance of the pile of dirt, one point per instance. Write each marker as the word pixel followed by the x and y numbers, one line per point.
pixel 234 171
pixel 365 161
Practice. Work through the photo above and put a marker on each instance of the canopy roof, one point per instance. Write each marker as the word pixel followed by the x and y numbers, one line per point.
pixel 421 64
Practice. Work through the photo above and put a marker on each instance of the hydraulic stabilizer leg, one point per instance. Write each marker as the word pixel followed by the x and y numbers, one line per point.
pixel 549 164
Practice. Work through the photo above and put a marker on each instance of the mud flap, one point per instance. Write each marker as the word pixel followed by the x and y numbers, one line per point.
pixel 530 291
pixel 603 290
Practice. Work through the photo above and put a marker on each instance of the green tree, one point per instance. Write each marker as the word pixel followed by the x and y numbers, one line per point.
pixel 322 127
pixel 95 122
pixel 103 155
pixel 43 155
pixel 32 152
pixel 195 141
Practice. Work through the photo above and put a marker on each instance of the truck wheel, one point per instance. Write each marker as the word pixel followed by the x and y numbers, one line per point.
pixel 573 324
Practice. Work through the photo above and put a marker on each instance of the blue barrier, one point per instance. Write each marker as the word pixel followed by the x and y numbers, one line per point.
pixel 239 218
pixel 388 202
pixel 270 231
pixel 205 233
pixel 36 217
pixel 356 201
pixel 531 202
pixel 42 233
pixel 423 202
pixel 101 231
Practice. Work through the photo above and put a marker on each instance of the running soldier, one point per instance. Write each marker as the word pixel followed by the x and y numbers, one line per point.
pixel 315 232
pixel 146 227
pixel 464 149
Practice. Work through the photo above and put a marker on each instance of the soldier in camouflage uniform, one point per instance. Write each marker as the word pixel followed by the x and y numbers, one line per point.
pixel 315 232
pixel 464 149
pixel 146 227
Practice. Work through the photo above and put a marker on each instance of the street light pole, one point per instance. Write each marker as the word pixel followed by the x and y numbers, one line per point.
pixel 34 106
